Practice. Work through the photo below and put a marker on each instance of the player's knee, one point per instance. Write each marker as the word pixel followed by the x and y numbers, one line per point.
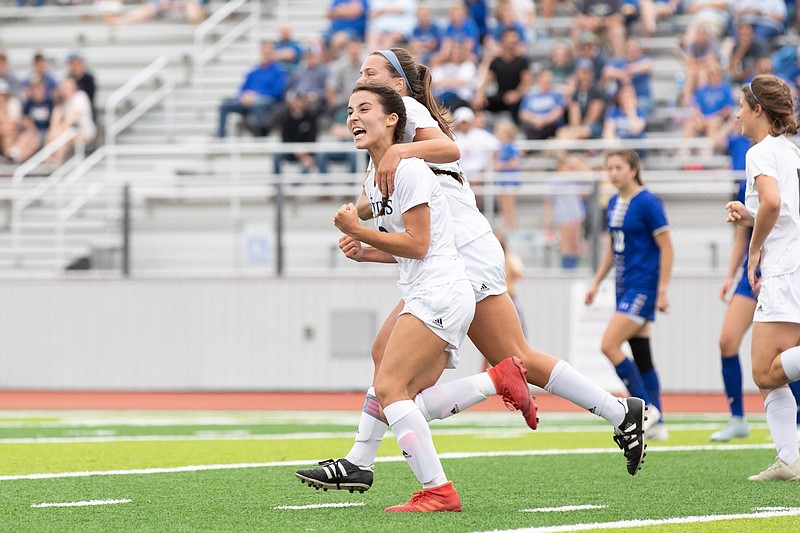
pixel 728 344
pixel 763 379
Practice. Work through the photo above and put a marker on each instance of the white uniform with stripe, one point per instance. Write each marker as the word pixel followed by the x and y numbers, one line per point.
pixel 435 289
pixel 483 256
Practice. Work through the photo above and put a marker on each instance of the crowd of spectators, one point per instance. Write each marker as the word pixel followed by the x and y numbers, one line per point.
pixel 38 107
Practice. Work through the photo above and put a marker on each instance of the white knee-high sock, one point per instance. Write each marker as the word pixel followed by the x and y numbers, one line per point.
pixel 371 429
pixel 570 384
pixel 447 399
pixel 415 440
pixel 790 359
pixel 781 412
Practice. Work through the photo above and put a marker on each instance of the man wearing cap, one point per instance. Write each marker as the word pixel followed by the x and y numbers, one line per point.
pixel 76 68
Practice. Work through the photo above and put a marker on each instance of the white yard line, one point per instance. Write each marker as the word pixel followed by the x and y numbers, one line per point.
pixel 561 509
pixel 452 455
pixel 80 504
pixel 629 524
pixel 319 506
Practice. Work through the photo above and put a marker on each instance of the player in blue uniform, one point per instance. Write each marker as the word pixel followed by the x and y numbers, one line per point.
pixel 641 253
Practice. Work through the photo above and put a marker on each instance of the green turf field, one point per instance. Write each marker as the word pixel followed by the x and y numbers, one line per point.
pixel 233 471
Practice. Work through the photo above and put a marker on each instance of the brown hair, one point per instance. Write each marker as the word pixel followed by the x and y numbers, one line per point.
pixel 775 99
pixel 419 85
pixel 391 102
pixel 630 157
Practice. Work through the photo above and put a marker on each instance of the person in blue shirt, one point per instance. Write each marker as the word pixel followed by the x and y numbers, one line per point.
pixel 261 90
pixel 427 35
pixel 711 105
pixel 634 68
pixel 626 119
pixel 479 12
pixel 507 19
pixel 348 22
pixel 640 251
pixel 542 110
pixel 288 51
pixel 461 31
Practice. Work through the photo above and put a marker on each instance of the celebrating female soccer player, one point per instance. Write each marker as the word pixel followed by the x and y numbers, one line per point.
pixel 640 250
pixel 496 329
pixel 772 207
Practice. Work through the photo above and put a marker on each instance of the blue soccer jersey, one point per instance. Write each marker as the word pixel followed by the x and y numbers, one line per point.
pixel 633 224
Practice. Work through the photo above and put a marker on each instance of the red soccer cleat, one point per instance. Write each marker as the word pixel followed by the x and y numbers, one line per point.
pixel 509 380
pixel 439 499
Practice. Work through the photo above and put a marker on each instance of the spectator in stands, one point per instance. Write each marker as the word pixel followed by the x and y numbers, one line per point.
pixel 601 17
pixel 713 15
pixel 391 23
pixel 651 11
pixel 454 79
pixel 508 163
pixel 477 144
pixel 587 106
pixel 298 122
pixel 699 55
pixel 73 111
pixel 587 48
pixel 562 66
pixel 342 77
pixel 288 51
pixel 76 68
pixel 747 50
pixel 461 31
pixel 542 110
pixel 768 17
pixel 348 22
pixel 338 131
pixel 427 35
pixel 711 106
pixel 311 78
pixel 6 75
pixel 478 12
pixel 40 69
pixel 506 19
pixel 634 68
pixel 193 10
pixel 565 209
pixel 509 74
pixel 625 119
pixel 10 117
pixel 36 112
pixel 262 89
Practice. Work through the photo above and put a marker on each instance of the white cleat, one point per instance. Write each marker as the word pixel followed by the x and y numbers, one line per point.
pixel 736 428
pixel 657 433
pixel 779 471
pixel 652 416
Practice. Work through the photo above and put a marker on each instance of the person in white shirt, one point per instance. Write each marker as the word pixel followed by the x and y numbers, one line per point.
pixel 413 228
pixel 772 208
pixel 75 111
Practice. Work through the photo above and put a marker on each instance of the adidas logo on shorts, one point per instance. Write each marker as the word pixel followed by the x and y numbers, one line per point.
pixel 484 288
pixel 438 323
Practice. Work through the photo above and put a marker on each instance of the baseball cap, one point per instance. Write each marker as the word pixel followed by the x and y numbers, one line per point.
pixel 587 37
pixel 463 114
pixel 583 63
pixel 5 88
pixel 71 56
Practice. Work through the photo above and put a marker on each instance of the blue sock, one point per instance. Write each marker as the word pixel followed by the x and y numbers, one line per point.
pixel 569 262
pixel 651 383
pixel 632 380
pixel 732 378
pixel 795 386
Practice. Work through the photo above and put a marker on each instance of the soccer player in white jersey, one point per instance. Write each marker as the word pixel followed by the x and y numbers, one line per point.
pixel 413 227
pixel 496 329
pixel 772 208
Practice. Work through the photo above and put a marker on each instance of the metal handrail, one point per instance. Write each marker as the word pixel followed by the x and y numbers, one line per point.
pixel 203 53
pixel 46 151
pixel 115 126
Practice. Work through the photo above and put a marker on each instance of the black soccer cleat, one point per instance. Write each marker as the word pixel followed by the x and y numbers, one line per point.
pixel 336 474
pixel 629 436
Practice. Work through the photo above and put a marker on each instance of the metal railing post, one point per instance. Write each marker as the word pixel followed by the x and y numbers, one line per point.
pixel 126 230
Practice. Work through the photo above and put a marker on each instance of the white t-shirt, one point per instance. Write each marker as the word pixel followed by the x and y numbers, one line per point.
pixel 477 150
pixel 469 221
pixel 414 185
pixel 80 107
pixel 780 158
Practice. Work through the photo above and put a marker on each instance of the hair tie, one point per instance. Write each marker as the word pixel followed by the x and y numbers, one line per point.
pixel 392 58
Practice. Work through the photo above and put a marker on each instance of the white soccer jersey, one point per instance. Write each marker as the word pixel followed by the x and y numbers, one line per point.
pixel 414 185
pixel 780 158
pixel 469 222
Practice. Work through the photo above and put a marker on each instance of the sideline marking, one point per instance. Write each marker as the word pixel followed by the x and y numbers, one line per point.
pixel 625 524
pixel 563 508
pixel 81 504
pixel 451 455
pixel 320 505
